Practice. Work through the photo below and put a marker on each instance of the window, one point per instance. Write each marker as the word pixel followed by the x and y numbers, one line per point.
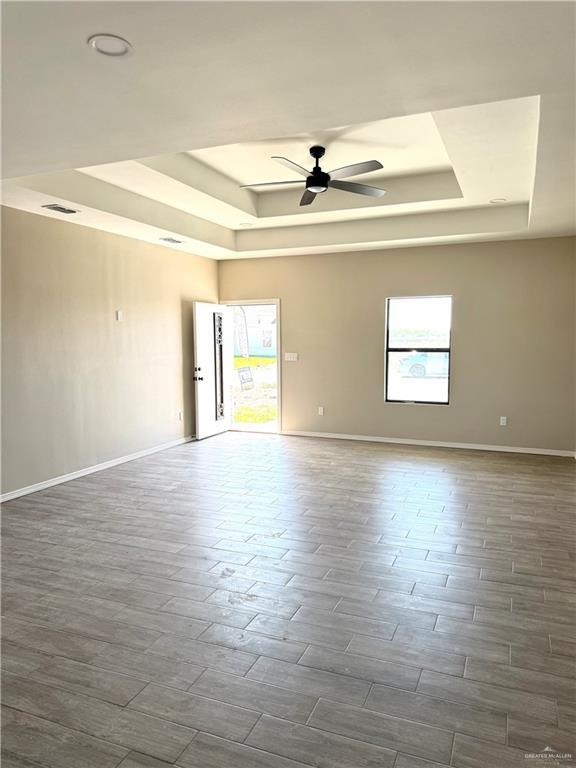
pixel 418 349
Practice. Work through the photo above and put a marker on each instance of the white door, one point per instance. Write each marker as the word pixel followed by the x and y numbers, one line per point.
pixel 213 364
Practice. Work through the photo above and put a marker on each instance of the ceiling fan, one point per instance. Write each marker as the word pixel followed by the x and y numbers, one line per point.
pixel 318 181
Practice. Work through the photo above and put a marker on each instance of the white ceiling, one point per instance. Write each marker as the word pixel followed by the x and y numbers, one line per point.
pixel 406 144
pixel 461 102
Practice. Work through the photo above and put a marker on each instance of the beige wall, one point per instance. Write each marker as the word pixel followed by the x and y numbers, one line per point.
pixel 513 339
pixel 78 387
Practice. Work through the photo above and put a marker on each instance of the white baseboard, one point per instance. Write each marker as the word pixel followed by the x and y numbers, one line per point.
pixel 432 443
pixel 89 470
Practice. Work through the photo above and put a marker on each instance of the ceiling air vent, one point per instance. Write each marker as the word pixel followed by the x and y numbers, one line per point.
pixel 171 240
pixel 59 208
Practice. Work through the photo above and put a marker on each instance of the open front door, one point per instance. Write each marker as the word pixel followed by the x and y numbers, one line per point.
pixel 213 361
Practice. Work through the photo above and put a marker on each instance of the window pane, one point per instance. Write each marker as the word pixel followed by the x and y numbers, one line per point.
pixel 419 322
pixel 418 376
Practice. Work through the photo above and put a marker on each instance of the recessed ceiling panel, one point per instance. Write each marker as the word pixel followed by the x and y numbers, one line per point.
pixel 462 172
pixel 403 145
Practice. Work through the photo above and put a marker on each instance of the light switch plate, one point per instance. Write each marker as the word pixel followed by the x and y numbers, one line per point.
pixel 291 357
pixel 119 315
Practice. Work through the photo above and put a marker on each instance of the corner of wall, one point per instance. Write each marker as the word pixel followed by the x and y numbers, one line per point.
pixel 574 339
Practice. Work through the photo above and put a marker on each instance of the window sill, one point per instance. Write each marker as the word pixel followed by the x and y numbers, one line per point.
pixel 412 402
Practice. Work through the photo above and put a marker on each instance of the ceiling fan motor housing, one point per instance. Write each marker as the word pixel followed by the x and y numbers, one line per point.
pixel 318 181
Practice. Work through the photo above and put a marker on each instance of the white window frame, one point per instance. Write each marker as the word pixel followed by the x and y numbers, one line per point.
pixel 387 350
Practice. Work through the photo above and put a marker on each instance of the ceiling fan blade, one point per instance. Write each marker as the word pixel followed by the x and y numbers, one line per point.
pixel 359 189
pixel 307 197
pixel 293 166
pixel 269 183
pixel 327 138
pixel 348 134
pixel 356 169
pixel 367 142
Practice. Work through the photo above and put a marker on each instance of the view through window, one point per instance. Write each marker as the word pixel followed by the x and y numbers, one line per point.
pixel 418 349
pixel 255 388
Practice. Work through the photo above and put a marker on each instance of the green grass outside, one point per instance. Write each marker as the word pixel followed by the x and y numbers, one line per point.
pixel 252 362
pixel 255 414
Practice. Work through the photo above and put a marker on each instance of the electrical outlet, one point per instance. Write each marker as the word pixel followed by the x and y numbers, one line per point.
pixel 503 421
pixel 320 410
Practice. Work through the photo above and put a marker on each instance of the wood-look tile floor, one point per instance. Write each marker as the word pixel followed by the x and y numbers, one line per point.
pixel 257 601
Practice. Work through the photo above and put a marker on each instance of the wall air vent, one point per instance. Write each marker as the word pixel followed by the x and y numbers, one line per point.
pixel 59 208
pixel 171 240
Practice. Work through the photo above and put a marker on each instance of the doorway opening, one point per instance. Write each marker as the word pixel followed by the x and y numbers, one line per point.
pixel 255 380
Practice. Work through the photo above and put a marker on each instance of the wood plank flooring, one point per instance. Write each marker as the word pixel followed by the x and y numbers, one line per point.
pixel 258 601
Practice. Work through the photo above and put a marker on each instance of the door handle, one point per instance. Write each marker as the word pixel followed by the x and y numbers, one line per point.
pixel 198 378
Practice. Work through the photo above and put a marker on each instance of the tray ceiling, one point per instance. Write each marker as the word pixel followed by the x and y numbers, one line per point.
pixel 476 117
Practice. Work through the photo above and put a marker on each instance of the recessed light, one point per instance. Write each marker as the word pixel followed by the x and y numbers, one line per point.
pixel 110 45
pixel 171 240
pixel 496 200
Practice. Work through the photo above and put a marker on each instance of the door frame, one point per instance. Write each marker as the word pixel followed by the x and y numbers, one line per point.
pixel 276 302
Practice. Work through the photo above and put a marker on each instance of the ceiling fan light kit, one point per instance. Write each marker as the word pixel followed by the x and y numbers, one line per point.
pixel 318 181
